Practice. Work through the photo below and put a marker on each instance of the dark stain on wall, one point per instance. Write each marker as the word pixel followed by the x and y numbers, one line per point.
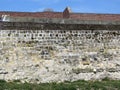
pixel 56 26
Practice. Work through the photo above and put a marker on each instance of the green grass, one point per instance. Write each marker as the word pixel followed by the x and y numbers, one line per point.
pixel 105 84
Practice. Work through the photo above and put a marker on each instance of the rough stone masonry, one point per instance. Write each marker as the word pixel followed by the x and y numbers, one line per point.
pixel 57 50
pixel 58 55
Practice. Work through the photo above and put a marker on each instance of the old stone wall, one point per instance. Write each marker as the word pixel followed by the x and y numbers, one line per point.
pixel 61 20
pixel 59 55
pixel 68 25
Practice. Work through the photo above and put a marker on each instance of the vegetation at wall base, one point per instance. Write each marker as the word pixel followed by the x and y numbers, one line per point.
pixel 105 84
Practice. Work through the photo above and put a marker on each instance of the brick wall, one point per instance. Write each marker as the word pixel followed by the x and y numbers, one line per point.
pixel 104 17
pixel 65 14
pixel 36 14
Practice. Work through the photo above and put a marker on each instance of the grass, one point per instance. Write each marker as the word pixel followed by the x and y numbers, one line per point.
pixel 105 84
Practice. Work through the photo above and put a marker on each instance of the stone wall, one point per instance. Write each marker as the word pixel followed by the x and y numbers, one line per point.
pixel 61 20
pixel 59 55
pixel 55 25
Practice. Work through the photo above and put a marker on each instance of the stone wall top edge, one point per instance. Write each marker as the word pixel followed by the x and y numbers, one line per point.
pixel 55 26
pixel 62 21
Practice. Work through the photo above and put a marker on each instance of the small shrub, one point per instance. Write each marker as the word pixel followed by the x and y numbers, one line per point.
pixel 16 81
pixel 106 79
pixel 2 81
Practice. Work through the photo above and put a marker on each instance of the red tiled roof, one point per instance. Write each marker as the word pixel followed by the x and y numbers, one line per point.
pixel 34 14
pixel 101 17
pixel 78 16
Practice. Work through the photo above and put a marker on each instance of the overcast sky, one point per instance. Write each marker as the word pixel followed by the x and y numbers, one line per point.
pixel 84 6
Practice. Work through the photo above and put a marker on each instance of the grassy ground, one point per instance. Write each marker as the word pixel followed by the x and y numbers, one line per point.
pixel 77 85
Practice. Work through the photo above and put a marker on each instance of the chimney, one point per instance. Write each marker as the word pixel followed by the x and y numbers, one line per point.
pixel 66 12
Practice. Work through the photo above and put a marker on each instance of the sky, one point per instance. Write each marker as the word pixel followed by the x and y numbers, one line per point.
pixel 81 6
